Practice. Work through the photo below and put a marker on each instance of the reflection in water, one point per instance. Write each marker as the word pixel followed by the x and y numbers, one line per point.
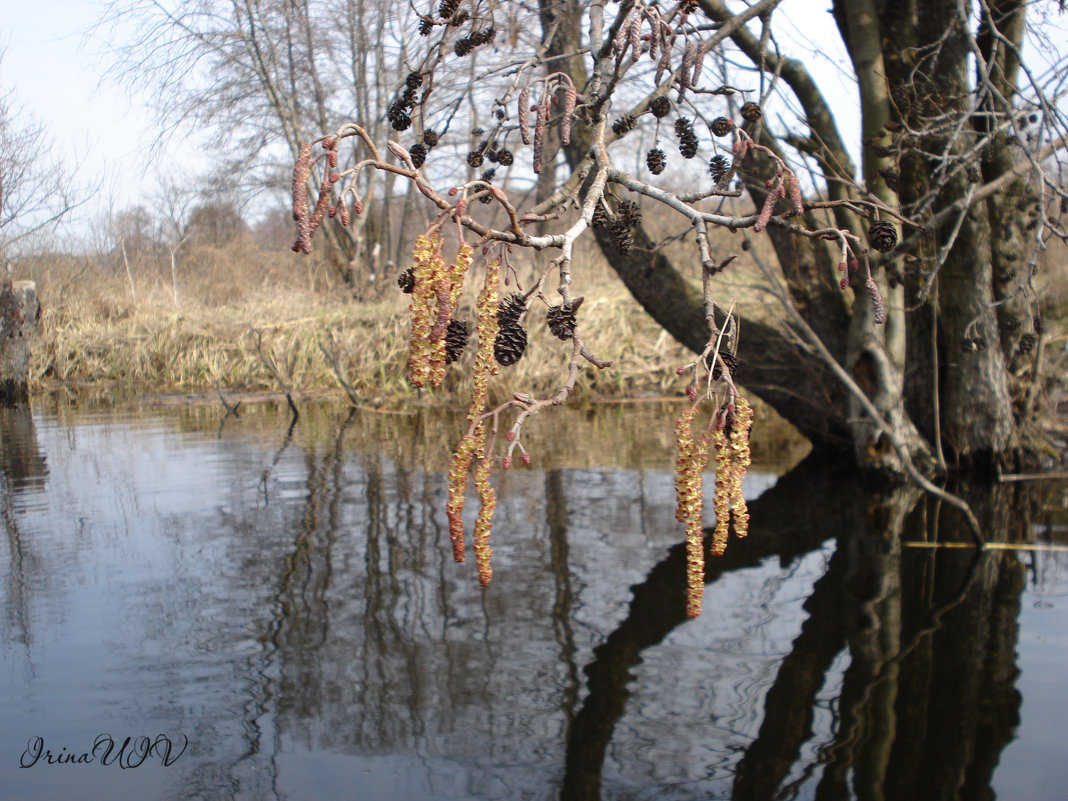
pixel 22 467
pixel 288 601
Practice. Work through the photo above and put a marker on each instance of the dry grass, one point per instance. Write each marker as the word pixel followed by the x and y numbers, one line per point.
pixel 96 329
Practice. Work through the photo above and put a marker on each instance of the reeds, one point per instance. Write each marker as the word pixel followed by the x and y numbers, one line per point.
pixel 94 331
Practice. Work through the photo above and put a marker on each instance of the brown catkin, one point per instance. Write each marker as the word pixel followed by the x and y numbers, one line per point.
pixel 540 122
pixel 878 306
pixel 766 211
pixel 570 100
pixel 698 65
pixel 634 34
pixel 619 44
pixel 524 107
pixel 793 191
pixel 301 171
pixel 664 64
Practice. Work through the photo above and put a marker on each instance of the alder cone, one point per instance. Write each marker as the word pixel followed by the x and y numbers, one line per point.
pixel 655 161
pixel 660 107
pixel 751 112
pixel 721 126
pixel 561 319
pixel 406 281
pixel 509 344
pixel 624 124
pixel 418 154
pixel 455 340
pixel 882 236
pixel 510 309
pixel 717 168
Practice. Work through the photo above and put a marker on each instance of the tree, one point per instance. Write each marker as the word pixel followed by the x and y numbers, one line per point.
pixel 36 192
pixel 909 318
pixel 268 75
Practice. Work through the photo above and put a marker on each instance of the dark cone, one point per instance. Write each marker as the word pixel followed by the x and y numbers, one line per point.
pixel 510 309
pixel 430 138
pixel 655 160
pixel 688 146
pixel 601 220
pixel 717 168
pixel 660 106
pixel 728 359
pixel 455 340
pixel 687 138
pixel 561 319
pixel 398 117
pixel 510 344
pixel 505 157
pixel 751 112
pixel 623 124
pixel 882 236
pixel 619 232
pixel 418 154
pixel 629 213
pixel 721 126
pixel 1027 343
pixel 406 281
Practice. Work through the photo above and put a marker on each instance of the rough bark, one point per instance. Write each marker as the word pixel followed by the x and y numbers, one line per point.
pixel 19 311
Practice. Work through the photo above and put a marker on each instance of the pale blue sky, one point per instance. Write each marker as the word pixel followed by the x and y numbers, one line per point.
pixel 56 74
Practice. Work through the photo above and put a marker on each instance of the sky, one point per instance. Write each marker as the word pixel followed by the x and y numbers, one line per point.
pixel 56 75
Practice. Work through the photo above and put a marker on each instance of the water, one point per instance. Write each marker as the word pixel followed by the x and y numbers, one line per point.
pixel 280 606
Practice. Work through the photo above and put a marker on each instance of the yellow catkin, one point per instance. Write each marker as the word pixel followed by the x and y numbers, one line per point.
pixel 449 283
pixel 486 316
pixel 695 554
pixel 484 524
pixel 426 269
pixel 470 447
pixel 684 443
pixel 721 503
pixel 740 460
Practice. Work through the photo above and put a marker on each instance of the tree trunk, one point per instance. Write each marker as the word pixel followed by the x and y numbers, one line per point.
pixel 912 367
pixel 19 311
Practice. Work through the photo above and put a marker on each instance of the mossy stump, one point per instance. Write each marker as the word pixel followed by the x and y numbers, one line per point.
pixel 19 311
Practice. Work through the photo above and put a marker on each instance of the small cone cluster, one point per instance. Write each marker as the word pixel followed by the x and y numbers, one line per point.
pixel 730 445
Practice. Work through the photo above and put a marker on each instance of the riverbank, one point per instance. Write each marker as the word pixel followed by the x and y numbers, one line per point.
pixel 305 342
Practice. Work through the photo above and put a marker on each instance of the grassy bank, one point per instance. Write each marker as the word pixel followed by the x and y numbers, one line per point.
pixel 99 329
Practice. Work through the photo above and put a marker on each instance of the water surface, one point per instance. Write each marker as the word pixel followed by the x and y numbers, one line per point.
pixel 283 602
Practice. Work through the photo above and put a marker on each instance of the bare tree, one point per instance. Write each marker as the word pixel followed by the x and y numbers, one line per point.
pixel 37 191
pixel 267 74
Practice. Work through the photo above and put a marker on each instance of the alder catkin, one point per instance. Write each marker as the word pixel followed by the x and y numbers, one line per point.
pixel 878 306
pixel 301 171
pixel 570 100
pixel 524 107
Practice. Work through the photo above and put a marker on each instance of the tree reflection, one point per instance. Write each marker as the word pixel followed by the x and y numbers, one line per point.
pixel 22 468
pixel 928 701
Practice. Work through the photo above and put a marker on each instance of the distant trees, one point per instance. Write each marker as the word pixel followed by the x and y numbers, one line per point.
pixel 268 75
